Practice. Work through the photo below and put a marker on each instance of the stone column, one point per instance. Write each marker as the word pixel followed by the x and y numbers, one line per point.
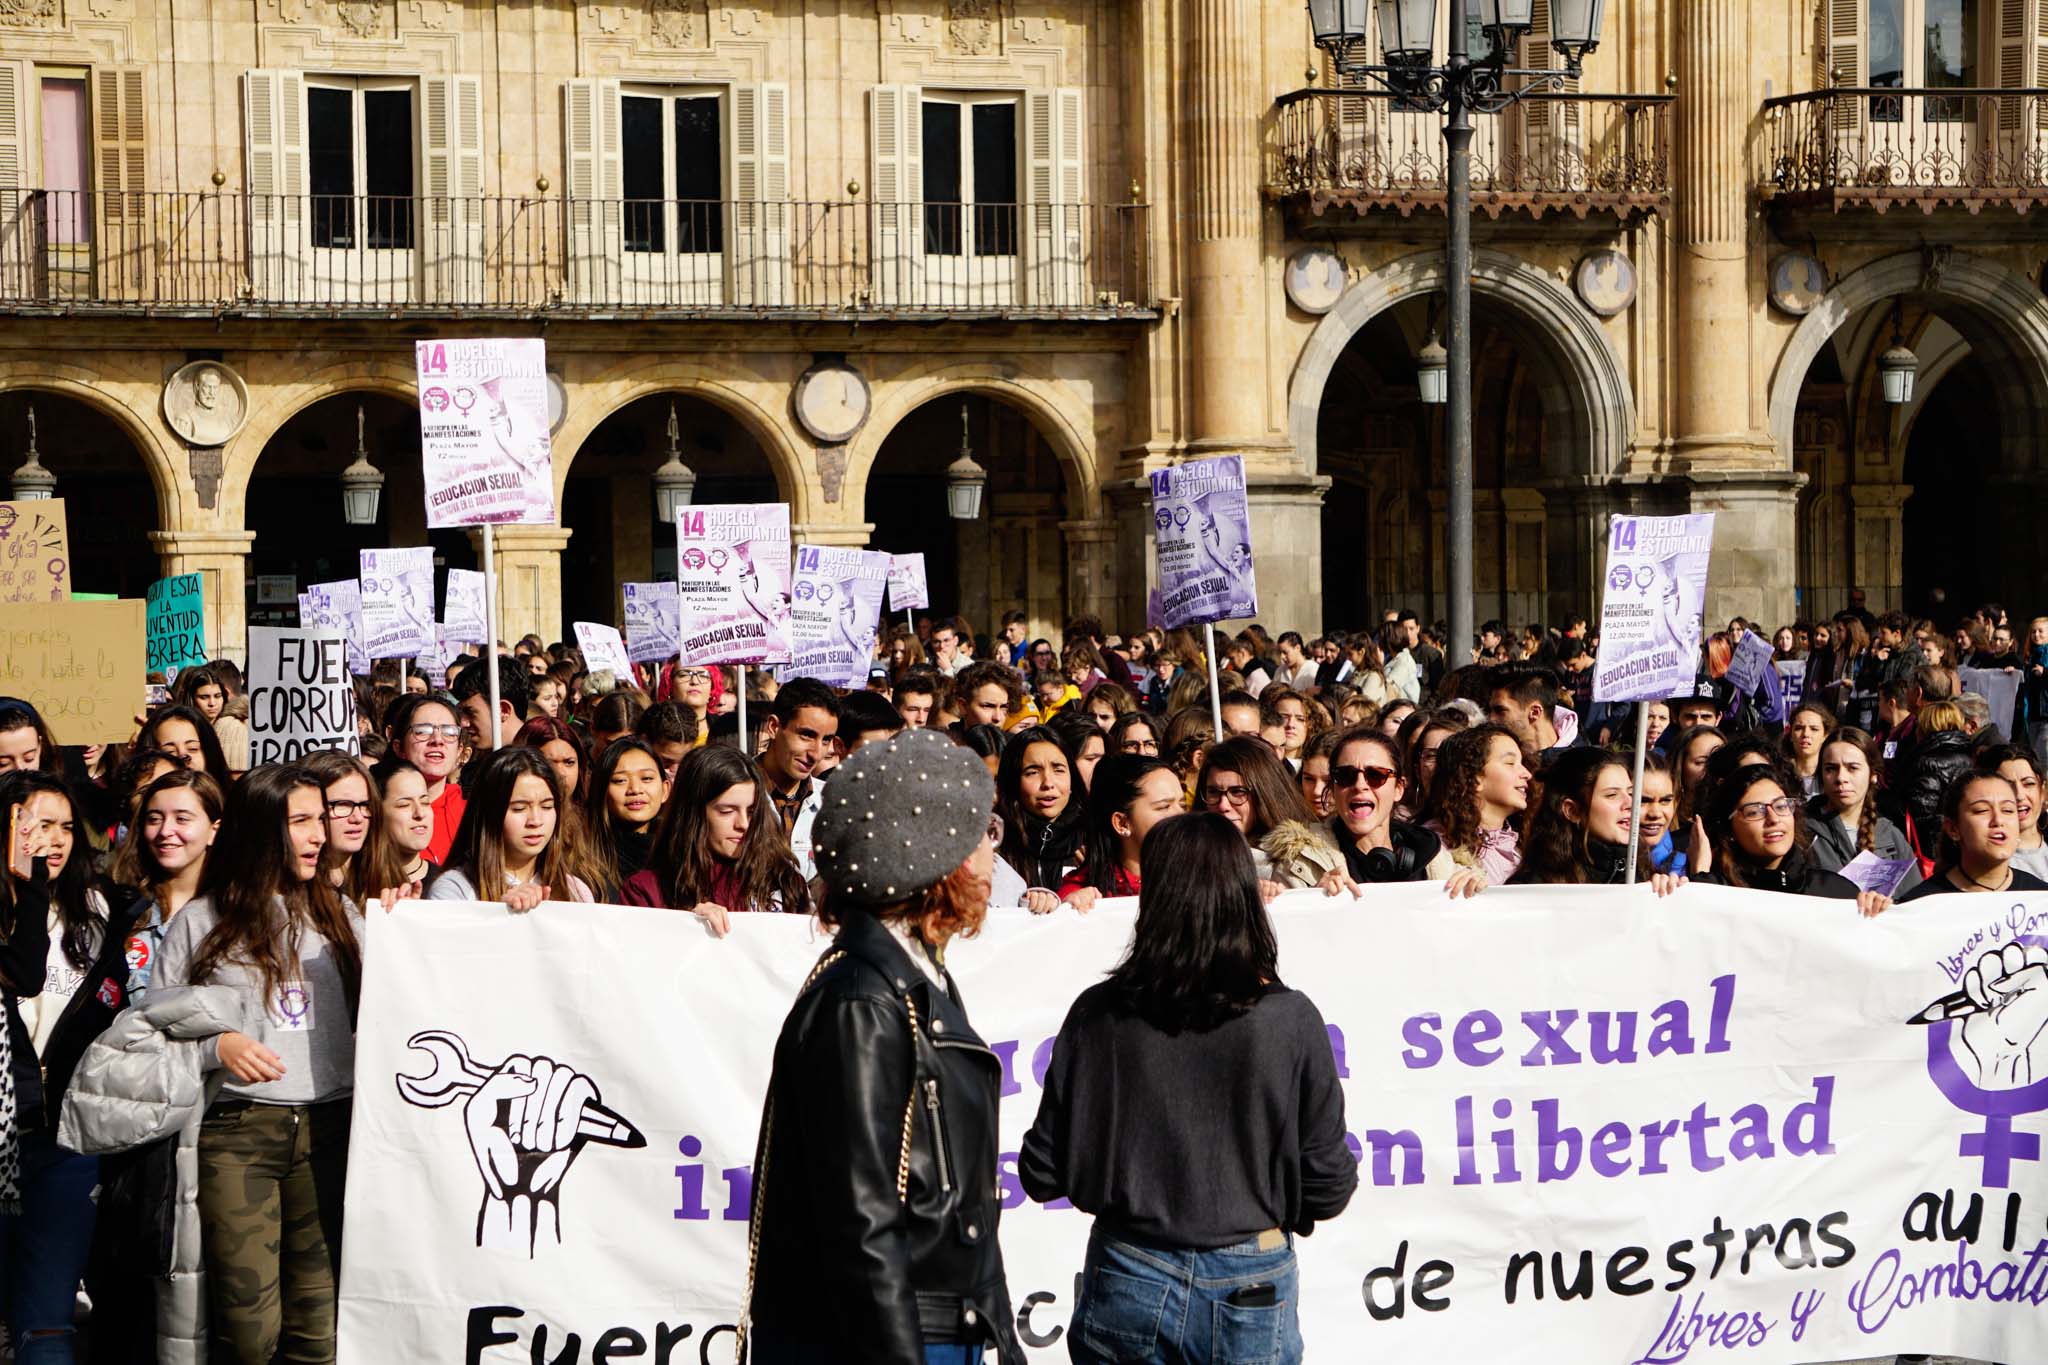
pixel 529 585
pixel 1877 543
pixel 221 559
pixel 1287 550
pixel 1754 568
pixel 1091 572
pixel 1220 142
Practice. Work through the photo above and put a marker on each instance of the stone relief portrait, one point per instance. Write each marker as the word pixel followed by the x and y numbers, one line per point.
pixel 205 403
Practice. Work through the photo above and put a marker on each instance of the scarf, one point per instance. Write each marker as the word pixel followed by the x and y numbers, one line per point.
pixel 10 1136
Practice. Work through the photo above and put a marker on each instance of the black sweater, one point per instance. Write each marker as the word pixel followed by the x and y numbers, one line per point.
pixel 1197 1140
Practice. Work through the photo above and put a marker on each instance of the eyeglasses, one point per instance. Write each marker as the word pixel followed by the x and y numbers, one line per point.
pixel 433 732
pixel 1148 748
pixel 1757 810
pixel 1347 776
pixel 347 810
pixel 692 675
pixel 1216 796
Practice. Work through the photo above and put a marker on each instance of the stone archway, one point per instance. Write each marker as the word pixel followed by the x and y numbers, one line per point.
pixel 110 486
pixel 1589 403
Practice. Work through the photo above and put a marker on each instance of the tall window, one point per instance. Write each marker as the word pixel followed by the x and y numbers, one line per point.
pixel 971 185
pixel 360 150
pixel 673 158
pixel 1925 44
pixel 67 160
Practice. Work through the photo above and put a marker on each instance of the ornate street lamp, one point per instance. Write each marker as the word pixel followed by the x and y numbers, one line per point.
pixel 1898 366
pixel 362 484
pixel 674 483
pixel 965 480
pixel 1407 29
pixel 1575 29
pixel 33 482
pixel 1338 22
pixel 1432 370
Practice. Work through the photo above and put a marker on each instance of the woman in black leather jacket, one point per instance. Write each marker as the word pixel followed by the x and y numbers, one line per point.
pixel 1943 752
pixel 875 1187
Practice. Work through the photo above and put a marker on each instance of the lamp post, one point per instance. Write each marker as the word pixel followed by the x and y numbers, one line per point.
pixel 362 484
pixel 34 482
pixel 965 480
pixel 1898 366
pixel 674 483
pixel 1464 83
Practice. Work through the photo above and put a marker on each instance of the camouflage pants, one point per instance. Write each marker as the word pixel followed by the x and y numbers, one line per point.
pixel 270 1184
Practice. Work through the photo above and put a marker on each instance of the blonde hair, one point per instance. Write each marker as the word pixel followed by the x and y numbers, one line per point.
pixel 1937 716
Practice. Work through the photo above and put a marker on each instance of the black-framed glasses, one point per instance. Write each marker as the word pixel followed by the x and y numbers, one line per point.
pixel 347 810
pixel 1216 796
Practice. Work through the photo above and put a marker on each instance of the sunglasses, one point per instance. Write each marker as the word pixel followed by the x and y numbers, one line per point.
pixel 1347 776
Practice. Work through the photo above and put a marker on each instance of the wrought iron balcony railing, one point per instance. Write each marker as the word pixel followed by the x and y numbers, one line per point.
pixel 1555 152
pixel 1885 145
pixel 225 253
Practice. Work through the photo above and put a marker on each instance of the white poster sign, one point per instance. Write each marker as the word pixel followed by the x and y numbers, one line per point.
pixel 464 615
pixel 1650 612
pixel 732 576
pixel 338 606
pixel 398 602
pixel 1592 1126
pixel 484 439
pixel 836 609
pixel 907 588
pixel 654 621
pixel 604 647
pixel 1202 528
pixel 301 696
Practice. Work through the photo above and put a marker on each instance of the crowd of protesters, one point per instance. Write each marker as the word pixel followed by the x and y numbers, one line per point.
pixel 162 901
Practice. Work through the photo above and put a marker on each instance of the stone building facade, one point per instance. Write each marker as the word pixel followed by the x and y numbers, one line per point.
pixel 816 248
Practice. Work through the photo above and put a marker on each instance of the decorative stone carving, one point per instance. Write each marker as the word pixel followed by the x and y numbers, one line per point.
pixel 1606 282
pixel 432 14
pixel 608 18
pixel 1036 29
pixel 743 22
pixel 1798 283
pixel 289 11
pixel 912 28
pixel 972 26
pixel 206 471
pixel 205 403
pixel 678 23
pixel 1314 280
pixel 360 17
pixel 832 470
pixel 28 13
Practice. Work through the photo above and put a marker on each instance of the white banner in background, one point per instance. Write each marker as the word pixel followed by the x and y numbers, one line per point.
pixel 1593 1126
pixel 1656 587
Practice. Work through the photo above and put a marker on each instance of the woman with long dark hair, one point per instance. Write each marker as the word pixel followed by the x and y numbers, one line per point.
pixel 627 795
pixel 25 740
pixel 182 731
pixel 1580 830
pixel 162 862
pixel 396 855
pixel 1980 826
pixel 1138 735
pixel 560 745
pixel 2022 768
pixel 1481 790
pixel 1756 830
pixel 1847 818
pixel 280 943
pixel 1131 797
pixel 1041 811
pixel 510 845
pixel 1193 1044
pixel 719 849
pixel 1242 781
pixel 1806 731
pixel 352 812
pixel 426 731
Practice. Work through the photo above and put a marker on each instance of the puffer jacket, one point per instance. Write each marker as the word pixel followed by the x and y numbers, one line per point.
pixel 1296 854
pixel 143 1080
pixel 1938 759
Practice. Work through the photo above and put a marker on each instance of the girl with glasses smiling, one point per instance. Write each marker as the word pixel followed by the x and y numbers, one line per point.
pixel 1244 783
pixel 1756 835
pixel 352 811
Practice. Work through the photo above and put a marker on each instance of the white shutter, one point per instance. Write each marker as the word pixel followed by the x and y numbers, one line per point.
pixel 18 278
pixel 896 161
pixel 1846 126
pixel 1055 217
pixel 274 113
pixel 1549 127
pixel 758 243
pixel 590 136
pixel 453 217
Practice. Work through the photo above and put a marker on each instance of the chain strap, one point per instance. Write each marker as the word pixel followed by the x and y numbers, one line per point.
pixel 744 1328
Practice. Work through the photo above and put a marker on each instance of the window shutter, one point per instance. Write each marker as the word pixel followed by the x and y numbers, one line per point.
pixel 2039 76
pixel 452 150
pixel 896 160
pixel 590 138
pixel 274 113
pixel 1846 57
pixel 18 280
pixel 1549 126
pixel 1056 228
pixel 122 161
pixel 759 240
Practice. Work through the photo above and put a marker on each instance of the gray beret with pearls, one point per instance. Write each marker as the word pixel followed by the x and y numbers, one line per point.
pixel 899 817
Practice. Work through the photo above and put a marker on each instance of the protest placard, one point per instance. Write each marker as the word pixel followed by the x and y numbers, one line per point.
pixel 835 609
pixel 338 606
pixel 1201 527
pixel 1656 586
pixel 83 665
pixel 176 623
pixel 484 441
pixel 732 578
pixel 1746 664
pixel 464 614
pixel 654 622
pixel 604 648
pixel 907 588
pixel 1623 1129
pixel 397 602
pixel 35 551
pixel 301 695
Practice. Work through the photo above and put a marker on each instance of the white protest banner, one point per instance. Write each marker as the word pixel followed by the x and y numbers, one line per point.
pixel 1592 1126
pixel 301 697
pixel 654 622
pixel 1650 613
pixel 834 614
pixel 732 577
pixel 337 606
pixel 398 602
pixel 1202 529
pixel 2000 688
pixel 604 647
pixel 463 615
pixel 907 588
pixel 484 442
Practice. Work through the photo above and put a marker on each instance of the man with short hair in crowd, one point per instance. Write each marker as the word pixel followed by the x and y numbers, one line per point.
pixel 916 695
pixel 1523 696
pixel 866 718
pixel 987 694
pixel 1701 706
pixel 1894 648
pixel 796 738
pixel 1015 638
pixel 1429 658
pixel 947 656
pixel 472 692
pixel 670 729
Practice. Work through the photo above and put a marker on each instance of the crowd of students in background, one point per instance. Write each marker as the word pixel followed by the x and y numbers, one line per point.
pixel 164 885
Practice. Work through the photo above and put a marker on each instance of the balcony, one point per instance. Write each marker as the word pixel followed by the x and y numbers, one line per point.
pixel 1553 153
pixel 1876 147
pixel 223 254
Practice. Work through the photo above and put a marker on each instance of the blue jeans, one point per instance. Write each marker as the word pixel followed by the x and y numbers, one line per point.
pixel 768 1353
pixel 43 1249
pixel 1147 1306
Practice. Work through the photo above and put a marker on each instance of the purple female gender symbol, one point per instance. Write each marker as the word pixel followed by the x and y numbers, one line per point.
pixel 1998 1145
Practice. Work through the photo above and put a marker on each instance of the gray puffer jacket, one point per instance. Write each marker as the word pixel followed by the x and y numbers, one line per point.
pixel 145 1079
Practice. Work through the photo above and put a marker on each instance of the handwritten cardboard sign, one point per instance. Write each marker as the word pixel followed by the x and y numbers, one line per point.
pixel 35 551
pixel 176 623
pixel 81 664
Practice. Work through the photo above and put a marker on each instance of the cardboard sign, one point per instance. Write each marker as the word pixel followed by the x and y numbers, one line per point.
pixel 176 623
pixel 35 551
pixel 81 664
pixel 301 696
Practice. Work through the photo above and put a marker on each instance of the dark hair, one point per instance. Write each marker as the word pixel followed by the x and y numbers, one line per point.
pixel 71 888
pixel 681 855
pixel 514 688
pixel 667 722
pixel 1989 760
pixel 16 714
pixel 616 713
pixel 1739 752
pixel 383 865
pixel 1118 780
pixel 1873 757
pixel 209 742
pixel 1454 793
pixel 398 719
pixel 1557 846
pixel 1725 795
pixel 1203 950
pixel 543 730
pixel 331 766
pixel 185 691
pixel 1129 721
pixel 1415 728
pixel 261 905
pixel 920 679
pixel 1276 794
pixel 1526 682
pixel 1009 781
pixel 866 712
pixel 479 847
pixel 1075 729
pixel 799 693
pixel 135 865
pixel 1951 851
pixel 137 761
pixel 604 836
